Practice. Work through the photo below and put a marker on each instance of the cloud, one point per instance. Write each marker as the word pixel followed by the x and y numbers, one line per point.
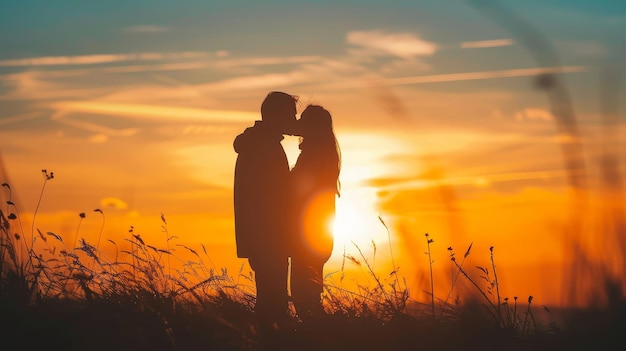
pixel 147 29
pixel 31 76
pixel 153 112
pixel 29 85
pixel 269 80
pixel 100 130
pixel 487 43
pixel 19 118
pixel 357 82
pixel 99 138
pixel 266 61
pixel 455 77
pixel 114 202
pixel 220 62
pixel 99 59
pixel 402 45
pixel 404 184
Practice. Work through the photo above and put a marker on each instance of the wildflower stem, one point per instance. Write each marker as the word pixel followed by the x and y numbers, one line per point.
pixel 474 283
pixel 495 277
pixel 46 176
pixel 432 282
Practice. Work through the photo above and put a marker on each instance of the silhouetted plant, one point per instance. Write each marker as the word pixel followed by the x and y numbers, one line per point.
pixel 458 271
pixel 46 177
pixel 101 227
pixel 141 283
pixel 496 283
pixel 430 266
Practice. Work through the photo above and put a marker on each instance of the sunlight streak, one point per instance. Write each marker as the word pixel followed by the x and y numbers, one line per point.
pixel 479 180
pixel 154 112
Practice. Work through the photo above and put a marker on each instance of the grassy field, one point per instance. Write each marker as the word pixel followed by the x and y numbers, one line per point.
pixel 70 297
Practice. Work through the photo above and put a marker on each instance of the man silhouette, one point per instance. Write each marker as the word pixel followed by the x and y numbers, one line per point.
pixel 261 203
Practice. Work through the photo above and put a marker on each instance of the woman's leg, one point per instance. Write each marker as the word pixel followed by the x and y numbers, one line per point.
pixel 306 286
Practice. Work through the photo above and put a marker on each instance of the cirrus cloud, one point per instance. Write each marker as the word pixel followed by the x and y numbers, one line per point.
pixel 402 45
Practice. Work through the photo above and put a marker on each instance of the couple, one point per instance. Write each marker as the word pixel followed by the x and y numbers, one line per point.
pixel 282 213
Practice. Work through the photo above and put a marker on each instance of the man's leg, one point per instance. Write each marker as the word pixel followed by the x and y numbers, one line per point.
pixel 271 284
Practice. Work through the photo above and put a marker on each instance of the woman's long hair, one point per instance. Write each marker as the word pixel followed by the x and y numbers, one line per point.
pixel 319 135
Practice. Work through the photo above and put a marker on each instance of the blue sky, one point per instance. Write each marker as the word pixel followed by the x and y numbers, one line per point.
pixel 78 27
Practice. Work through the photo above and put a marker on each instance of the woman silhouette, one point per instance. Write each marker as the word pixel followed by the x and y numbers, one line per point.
pixel 315 180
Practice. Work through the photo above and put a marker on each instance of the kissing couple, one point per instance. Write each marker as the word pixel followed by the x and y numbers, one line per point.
pixel 284 215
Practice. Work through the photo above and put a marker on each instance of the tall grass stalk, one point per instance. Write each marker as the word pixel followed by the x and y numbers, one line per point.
pixel 529 317
pixel 167 243
pixel 46 177
pixel 393 262
pixel 81 216
pixel 373 274
pixel 432 281
pixel 495 277
pixel 18 237
pixel 101 227
pixel 481 291
pixel 456 276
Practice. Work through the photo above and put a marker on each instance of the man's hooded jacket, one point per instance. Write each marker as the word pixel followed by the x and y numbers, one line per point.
pixel 261 193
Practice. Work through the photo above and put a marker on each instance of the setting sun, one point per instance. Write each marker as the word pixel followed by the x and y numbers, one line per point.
pixel 356 221
pixel 347 223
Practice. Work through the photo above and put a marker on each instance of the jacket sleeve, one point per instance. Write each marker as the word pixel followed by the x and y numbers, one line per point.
pixel 245 141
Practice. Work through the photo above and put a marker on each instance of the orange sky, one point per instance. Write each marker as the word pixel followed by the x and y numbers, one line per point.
pixel 442 130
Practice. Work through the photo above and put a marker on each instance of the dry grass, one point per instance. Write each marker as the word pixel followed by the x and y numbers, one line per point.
pixel 74 297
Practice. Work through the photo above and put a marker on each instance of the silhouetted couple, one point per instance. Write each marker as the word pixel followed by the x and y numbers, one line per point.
pixel 282 213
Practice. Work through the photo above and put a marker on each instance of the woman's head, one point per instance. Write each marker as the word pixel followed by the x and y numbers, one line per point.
pixel 315 122
pixel 315 126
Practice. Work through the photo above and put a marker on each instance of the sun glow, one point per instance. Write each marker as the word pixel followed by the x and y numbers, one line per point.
pixel 356 220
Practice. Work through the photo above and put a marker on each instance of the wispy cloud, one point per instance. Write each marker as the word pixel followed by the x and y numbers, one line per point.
pixel 19 118
pixel 76 114
pixel 153 112
pixel 29 85
pixel 359 81
pixel 455 77
pixel 251 82
pixel 181 66
pixel 267 61
pixel 396 184
pixel 202 60
pixel 402 45
pixel 487 43
pixel 99 59
pixel 102 132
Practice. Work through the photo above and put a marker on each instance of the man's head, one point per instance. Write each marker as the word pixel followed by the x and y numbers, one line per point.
pixel 279 111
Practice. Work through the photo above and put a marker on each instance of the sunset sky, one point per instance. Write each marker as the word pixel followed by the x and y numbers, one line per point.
pixel 437 106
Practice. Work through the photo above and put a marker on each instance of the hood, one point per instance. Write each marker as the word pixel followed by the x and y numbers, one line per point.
pixel 252 137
